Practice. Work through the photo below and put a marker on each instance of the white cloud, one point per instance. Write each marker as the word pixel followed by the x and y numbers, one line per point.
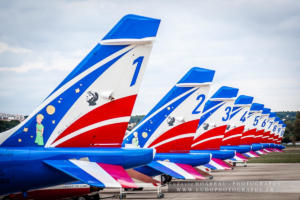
pixel 4 47
pixel 253 45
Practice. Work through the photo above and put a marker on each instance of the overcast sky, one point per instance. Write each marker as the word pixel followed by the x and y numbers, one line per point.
pixel 253 45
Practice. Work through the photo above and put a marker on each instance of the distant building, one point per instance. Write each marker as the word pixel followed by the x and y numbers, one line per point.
pixel 9 117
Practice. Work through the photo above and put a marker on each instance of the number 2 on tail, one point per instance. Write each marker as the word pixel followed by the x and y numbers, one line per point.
pixel 201 97
pixel 139 62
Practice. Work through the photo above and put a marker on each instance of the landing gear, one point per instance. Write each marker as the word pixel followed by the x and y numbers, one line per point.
pixel 160 195
pixel 81 198
pixel 122 196
pixel 165 179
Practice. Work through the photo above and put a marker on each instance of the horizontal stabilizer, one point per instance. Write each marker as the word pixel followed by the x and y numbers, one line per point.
pixel 222 163
pixel 142 177
pixel 94 174
pixel 217 164
pixel 237 158
pixel 180 171
pixel 260 152
pixel 251 154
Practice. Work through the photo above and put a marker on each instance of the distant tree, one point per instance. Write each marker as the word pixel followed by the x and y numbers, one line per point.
pixel 5 125
pixel 297 126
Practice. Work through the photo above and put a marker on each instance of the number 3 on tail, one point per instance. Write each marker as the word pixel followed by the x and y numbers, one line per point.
pixel 201 97
pixel 139 62
pixel 227 110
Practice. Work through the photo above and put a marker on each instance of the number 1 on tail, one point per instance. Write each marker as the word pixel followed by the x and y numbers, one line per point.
pixel 139 62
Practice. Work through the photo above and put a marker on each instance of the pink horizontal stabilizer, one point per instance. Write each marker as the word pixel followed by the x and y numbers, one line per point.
pixel 142 177
pixel 119 174
pixel 261 152
pixel 191 170
pixel 270 149
pixel 254 154
pixel 222 163
pixel 241 156
pixel 265 151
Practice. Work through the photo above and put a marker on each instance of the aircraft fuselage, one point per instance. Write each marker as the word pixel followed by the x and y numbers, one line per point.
pixel 23 168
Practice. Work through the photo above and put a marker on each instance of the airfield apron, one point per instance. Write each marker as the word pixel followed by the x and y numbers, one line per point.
pixel 39 131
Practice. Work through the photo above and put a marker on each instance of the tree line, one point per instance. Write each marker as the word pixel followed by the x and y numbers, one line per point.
pixel 291 119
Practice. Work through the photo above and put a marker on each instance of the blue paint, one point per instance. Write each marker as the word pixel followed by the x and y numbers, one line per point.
pixel 139 62
pixel 238 149
pixel 134 27
pixel 226 92
pixel 25 167
pixel 220 154
pixel 257 107
pixel 244 99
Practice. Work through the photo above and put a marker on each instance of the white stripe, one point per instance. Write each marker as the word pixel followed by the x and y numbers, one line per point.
pixel 247 136
pixel 219 104
pixel 259 152
pixel 208 139
pixel 173 138
pixel 232 136
pixel 97 172
pixel 203 168
pixel 237 158
pixel 177 169
pixel 216 165
pixel 90 127
pixel 127 41
pixel 251 155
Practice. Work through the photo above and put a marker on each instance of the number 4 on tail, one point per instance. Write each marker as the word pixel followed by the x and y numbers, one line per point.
pixel 139 62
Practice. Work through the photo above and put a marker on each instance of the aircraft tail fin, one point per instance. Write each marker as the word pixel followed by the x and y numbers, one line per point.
pixel 96 99
pixel 212 125
pixel 171 124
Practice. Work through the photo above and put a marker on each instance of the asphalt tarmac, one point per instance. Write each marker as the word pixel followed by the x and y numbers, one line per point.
pixel 256 172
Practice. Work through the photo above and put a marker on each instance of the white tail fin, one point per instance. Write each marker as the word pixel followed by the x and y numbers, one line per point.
pixel 92 106
pixel 170 126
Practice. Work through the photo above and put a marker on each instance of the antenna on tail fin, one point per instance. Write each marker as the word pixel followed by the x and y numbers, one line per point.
pixel 97 97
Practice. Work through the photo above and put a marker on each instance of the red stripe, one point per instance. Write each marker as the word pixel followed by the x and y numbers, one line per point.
pixel 182 145
pixel 211 144
pixel 106 136
pixel 248 140
pixel 258 136
pixel 270 139
pixel 113 109
pixel 266 140
pixel 184 128
pixel 235 140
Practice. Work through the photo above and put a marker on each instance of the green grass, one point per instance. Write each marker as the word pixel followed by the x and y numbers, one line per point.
pixel 290 155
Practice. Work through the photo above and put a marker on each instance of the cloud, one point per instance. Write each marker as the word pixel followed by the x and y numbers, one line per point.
pixel 4 47
pixel 253 45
